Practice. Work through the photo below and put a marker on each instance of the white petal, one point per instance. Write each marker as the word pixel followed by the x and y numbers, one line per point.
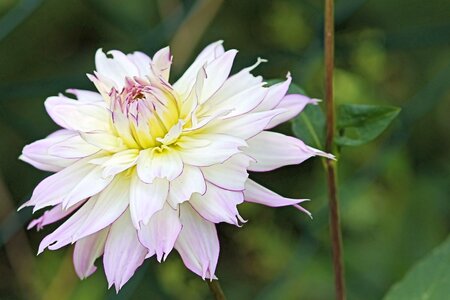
pixel 162 60
pixel 74 147
pixel 86 96
pixel 141 61
pixel 229 175
pixel 218 205
pixel 86 252
pixel 75 115
pixel 187 80
pixel 37 153
pixel 123 252
pixel 116 68
pixel 217 72
pixel 273 150
pixel 104 140
pixel 198 243
pixel 208 149
pixel 189 182
pixel 53 215
pixel 258 194
pixel 146 198
pixel 292 106
pixel 120 162
pixel 152 163
pixel 69 186
pixel 275 94
pixel 160 234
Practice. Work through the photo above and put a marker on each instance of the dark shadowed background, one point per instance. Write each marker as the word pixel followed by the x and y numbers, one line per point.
pixel 394 191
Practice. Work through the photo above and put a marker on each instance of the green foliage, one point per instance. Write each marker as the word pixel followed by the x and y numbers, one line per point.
pixel 359 124
pixel 309 126
pixel 428 280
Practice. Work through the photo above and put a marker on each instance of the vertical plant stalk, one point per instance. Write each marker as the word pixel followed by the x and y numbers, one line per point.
pixel 216 290
pixel 335 224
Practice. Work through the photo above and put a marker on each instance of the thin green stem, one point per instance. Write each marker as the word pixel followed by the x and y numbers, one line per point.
pixel 216 290
pixel 335 224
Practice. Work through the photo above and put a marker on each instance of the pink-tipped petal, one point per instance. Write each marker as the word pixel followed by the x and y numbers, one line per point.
pixel 123 252
pixel 86 252
pixel 292 105
pixel 160 234
pixel 275 95
pixel 198 243
pixel 273 150
pixel 162 60
pixel 258 194
pixel 52 215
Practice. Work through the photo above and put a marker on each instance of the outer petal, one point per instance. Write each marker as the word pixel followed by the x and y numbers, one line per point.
pixel 52 215
pixel 229 175
pixel 76 115
pixel 97 213
pixel 189 182
pixel 123 252
pixel 152 163
pixel 208 149
pixel 86 96
pixel 292 105
pixel 69 186
pixel 258 194
pixel 187 80
pixel 275 94
pixel 197 243
pixel 218 205
pixel 146 198
pixel 37 154
pixel 160 234
pixel 273 150
pixel 86 252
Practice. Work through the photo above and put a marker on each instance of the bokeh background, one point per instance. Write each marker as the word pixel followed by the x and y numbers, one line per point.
pixel 394 191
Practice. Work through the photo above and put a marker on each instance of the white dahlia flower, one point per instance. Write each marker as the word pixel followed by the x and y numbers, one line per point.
pixel 143 166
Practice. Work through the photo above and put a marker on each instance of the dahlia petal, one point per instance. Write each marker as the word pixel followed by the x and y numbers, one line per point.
pixel 186 81
pixel 217 72
pixel 86 252
pixel 162 60
pixel 165 164
pixel 75 115
pixel 119 162
pixel 245 126
pixel 273 150
pixel 292 105
pixel 258 194
pixel 204 150
pixel 160 234
pixel 141 61
pixel 74 147
pixel 218 205
pixel 104 140
pixel 146 198
pixel 85 95
pixel 116 69
pixel 123 252
pixel 37 153
pixel 197 243
pixel 275 95
pixel 69 186
pixel 53 215
pixel 189 182
pixel 229 175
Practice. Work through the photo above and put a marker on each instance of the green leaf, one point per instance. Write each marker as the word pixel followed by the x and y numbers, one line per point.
pixel 309 126
pixel 428 280
pixel 359 124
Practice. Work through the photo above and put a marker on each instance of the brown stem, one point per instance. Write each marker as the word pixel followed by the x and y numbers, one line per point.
pixel 335 224
pixel 216 290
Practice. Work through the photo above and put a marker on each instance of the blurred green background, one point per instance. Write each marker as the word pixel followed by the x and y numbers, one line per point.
pixel 394 192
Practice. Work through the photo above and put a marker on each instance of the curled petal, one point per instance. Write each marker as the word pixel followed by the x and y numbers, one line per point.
pixel 189 182
pixel 115 69
pixel 163 164
pixel 53 215
pixel 197 243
